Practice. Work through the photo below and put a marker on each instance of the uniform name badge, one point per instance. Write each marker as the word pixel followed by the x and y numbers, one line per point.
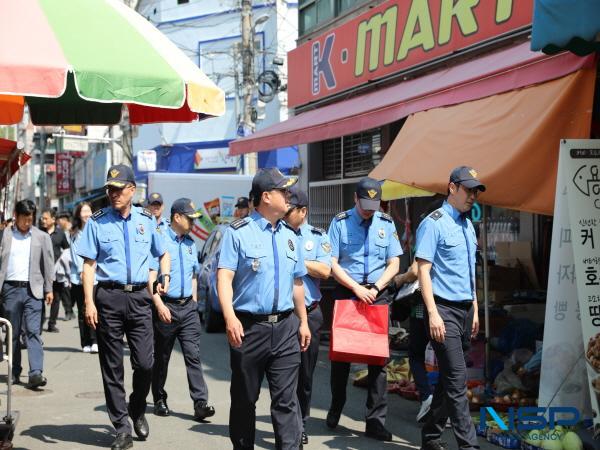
pixel 141 228
pixel 255 265
pixel 309 246
pixel 381 233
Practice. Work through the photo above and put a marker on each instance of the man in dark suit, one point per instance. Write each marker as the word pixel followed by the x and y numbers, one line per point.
pixel 26 276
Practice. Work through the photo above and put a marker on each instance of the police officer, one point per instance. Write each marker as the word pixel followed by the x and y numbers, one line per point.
pixel 242 208
pixel 176 314
pixel 365 251
pixel 156 206
pixel 117 245
pixel 259 283
pixel 317 259
pixel 446 245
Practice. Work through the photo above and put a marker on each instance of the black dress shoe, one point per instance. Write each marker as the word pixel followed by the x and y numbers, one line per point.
pixel 161 408
pixel 333 419
pixel 123 441
pixel 203 411
pixel 304 438
pixel 52 330
pixel 36 381
pixel 376 430
pixel 140 425
pixel 436 444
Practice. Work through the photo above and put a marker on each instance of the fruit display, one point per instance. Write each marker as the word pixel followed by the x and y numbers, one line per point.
pixel 592 353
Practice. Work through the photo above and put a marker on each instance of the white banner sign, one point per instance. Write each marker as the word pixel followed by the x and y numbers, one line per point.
pixel 214 158
pixel 74 145
pixel 563 379
pixel 580 160
pixel 146 160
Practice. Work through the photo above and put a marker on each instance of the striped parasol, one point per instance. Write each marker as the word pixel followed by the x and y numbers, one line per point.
pixel 81 61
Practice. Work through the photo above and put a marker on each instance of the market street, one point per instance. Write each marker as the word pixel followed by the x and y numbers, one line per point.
pixel 70 412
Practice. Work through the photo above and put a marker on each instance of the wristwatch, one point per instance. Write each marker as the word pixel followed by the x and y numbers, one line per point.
pixel 161 278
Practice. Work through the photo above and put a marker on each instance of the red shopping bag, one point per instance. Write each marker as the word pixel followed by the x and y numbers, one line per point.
pixel 359 333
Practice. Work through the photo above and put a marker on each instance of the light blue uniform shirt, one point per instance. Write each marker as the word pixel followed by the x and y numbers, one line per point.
pixel 363 247
pixel 265 262
pixel 447 240
pixel 122 248
pixel 184 263
pixel 315 247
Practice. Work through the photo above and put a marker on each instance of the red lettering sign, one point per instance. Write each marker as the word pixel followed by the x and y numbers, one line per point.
pixel 63 173
pixel 393 37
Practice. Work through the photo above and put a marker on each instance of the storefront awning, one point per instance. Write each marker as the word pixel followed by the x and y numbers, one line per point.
pixel 511 139
pixel 505 70
pixel 11 159
pixel 572 25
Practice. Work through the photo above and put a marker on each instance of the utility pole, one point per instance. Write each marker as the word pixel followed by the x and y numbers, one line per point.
pixel 248 81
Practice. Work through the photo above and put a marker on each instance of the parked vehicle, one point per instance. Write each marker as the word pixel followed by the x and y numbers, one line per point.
pixel 208 301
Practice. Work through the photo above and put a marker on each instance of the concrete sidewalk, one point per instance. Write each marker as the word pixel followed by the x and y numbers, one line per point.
pixel 70 412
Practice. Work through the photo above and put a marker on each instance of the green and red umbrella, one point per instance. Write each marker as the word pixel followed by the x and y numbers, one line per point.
pixel 80 61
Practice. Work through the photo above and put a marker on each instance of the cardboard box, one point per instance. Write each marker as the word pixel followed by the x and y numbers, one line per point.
pixel 518 254
pixel 502 278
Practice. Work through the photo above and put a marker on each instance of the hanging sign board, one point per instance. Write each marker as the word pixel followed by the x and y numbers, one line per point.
pixel 579 178
pixel 563 378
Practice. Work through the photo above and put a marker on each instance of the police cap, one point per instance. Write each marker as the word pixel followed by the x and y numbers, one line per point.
pixel 186 207
pixel 271 178
pixel 155 197
pixel 467 176
pixel 368 192
pixel 298 197
pixel 120 176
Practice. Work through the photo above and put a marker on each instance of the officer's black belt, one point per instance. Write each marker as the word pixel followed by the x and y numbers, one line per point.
pixel 312 307
pixel 21 284
pixel 122 287
pixel 270 318
pixel 461 304
pixel 176 300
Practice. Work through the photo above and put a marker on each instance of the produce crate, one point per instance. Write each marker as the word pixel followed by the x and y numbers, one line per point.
pixel 504 440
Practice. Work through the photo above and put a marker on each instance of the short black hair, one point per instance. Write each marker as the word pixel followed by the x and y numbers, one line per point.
pixel 50 211
pixel 64 215
pixel 25 208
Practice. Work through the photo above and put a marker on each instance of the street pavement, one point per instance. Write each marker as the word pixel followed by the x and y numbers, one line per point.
pixel 70 412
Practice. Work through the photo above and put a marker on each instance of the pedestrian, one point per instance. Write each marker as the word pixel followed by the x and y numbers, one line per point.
pixel 242 208
pixel 446 245
pixel 117 245
pixel 176 315
pixel 317 259
pixel 156 207
pixel 61 294
pixel 26 276
pixel 64 222
pixel 87 335
pixel 417 338
pixel 259 283
pixel 365 252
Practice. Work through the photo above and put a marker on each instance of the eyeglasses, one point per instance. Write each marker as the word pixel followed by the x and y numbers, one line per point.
pixel 285 192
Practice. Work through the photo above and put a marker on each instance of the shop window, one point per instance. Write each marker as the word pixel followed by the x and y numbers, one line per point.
pixel 361 153
pixel 314 12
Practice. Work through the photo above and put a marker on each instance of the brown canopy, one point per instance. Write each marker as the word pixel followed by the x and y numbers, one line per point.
pixel 511 139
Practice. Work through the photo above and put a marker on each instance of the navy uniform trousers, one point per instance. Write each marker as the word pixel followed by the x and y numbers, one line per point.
pixel 308 362
pixel 450 394
pixel 124 313
pixel 185 327
pixel 270 349
pixel 377 379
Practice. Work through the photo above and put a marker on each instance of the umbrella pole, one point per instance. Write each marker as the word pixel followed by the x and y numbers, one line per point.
pixel 486 293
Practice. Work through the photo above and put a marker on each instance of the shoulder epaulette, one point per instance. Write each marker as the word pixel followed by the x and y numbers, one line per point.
pixel 317 230
pixel 436 214
pixel 387 217
pixel 236 224
pixel 146 213
pixel 98 214
pixel 341 216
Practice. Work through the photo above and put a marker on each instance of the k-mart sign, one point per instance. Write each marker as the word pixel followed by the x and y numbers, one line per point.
pixel 393 37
